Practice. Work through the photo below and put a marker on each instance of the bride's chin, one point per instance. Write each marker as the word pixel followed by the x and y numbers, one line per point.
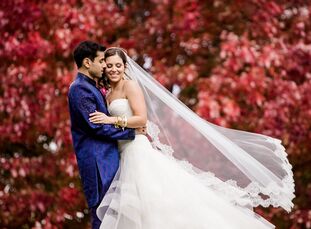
pixel 115 79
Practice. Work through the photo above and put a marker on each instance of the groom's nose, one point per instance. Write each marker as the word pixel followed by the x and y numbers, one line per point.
pixel 104 65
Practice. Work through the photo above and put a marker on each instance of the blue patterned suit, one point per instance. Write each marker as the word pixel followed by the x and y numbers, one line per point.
pixel 95 145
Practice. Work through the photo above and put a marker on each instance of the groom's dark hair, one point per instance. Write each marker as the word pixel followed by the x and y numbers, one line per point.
pixel 86 49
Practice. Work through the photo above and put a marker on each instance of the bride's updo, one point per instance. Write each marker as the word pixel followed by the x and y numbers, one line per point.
pixel 116 51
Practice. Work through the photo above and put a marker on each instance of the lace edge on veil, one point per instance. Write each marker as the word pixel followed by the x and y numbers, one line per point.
pixel 250 196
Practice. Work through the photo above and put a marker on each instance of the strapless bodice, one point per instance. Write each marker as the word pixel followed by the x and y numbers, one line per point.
pixel 120 107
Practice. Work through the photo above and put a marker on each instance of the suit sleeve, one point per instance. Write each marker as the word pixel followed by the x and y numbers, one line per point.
pixel 83 102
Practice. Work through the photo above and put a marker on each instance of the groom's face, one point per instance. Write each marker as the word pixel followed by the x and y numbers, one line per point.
pixel 97 67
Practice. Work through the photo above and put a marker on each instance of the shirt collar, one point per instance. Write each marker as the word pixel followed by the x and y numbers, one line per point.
pixel 83 76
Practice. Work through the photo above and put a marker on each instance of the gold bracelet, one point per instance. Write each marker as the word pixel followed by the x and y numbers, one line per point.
pixel 117 122
pixel 121 122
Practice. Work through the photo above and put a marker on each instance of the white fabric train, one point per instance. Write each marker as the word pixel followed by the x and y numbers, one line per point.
pixel 153 190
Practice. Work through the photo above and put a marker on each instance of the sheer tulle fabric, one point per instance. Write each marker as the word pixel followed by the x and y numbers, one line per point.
pixel 250 169
pixel 153 190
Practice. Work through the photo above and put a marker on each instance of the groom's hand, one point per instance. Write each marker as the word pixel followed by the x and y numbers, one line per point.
pixel 141 130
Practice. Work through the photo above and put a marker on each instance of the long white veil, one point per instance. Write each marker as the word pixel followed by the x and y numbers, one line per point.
pixel 248 169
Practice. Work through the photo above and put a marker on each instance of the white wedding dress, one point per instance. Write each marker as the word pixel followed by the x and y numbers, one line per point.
pixel 152 190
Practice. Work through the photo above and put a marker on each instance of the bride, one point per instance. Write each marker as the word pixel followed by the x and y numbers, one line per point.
pixel 187 173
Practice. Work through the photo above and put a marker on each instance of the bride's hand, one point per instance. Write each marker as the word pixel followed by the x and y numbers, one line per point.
pixel 101 118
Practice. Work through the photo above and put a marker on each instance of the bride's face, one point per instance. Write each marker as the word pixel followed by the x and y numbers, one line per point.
pixel 115 68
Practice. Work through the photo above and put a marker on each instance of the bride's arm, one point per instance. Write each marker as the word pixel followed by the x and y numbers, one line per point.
pixel 137 103
pixel 136 100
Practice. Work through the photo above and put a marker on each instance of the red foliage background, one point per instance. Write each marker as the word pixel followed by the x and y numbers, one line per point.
pixel 244 64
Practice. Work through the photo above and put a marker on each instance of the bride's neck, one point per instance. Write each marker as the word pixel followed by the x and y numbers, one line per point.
pixel 117 85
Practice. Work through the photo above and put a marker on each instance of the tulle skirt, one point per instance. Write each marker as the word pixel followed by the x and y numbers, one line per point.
pixel 152 191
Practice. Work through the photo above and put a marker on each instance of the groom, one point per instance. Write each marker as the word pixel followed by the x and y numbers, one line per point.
pixel 95 145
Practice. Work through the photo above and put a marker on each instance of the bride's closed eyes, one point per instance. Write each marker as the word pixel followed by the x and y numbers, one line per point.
pixel 118 65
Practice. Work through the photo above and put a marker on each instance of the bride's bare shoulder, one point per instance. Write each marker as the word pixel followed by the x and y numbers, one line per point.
pixel 133 91
pixel 130 85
